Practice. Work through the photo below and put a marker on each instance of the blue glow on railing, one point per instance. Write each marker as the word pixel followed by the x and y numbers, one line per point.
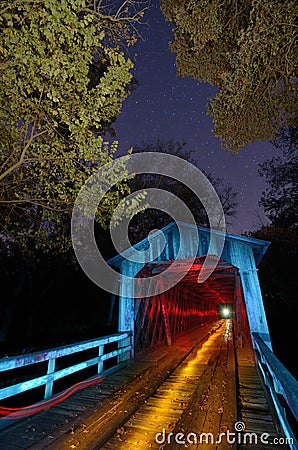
pixel 15 362
pixel 279 381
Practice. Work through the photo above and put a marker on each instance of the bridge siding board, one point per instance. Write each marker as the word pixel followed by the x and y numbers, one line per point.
pixel 242 256
pixel 126 305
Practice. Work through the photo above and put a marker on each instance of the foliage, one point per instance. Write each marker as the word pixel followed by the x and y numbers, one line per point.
pixel 248 50
pixel 150 219
pixel 64 79
pixel 280 200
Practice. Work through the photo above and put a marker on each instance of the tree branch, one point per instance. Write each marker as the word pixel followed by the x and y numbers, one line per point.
pixel 22 157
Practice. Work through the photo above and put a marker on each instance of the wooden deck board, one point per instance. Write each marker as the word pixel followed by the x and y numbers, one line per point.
pixel 257 411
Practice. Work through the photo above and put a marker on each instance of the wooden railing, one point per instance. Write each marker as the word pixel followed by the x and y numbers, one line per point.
pixel 281 383
pixel 50 356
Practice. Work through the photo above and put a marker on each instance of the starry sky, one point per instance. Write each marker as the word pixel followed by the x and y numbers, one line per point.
pixel 167 106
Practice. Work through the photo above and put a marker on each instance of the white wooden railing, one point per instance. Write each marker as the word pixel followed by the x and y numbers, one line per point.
pixel 50 356
pixel 280 383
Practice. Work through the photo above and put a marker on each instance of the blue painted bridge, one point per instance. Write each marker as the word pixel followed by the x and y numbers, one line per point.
pixel 192 358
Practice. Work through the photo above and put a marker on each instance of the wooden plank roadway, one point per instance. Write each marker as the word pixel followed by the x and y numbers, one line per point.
pixel 256 409
pixel 191 401
pixel 192 387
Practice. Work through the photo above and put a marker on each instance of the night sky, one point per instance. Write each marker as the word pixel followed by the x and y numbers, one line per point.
pixel 167 106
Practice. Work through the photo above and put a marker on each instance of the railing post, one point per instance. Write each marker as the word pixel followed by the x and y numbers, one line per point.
pixel 100 362
pixel 49 384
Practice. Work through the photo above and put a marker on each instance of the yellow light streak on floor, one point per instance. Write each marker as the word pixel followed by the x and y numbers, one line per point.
pixel 165 407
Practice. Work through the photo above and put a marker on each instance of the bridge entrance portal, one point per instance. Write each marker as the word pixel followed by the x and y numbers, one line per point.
pixel 189 304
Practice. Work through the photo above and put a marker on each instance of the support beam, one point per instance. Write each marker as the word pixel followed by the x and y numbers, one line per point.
pixel 243 258
pixel 126 307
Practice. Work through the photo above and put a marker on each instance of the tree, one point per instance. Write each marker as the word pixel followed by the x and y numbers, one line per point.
pixel 64 79
pixel 280 199
pixel 143 222
pixel 248 50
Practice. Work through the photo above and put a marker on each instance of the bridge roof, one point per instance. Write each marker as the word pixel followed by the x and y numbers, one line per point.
pixel 218 288
pixel 259 246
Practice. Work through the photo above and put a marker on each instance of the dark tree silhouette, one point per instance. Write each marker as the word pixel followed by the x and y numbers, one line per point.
pixel 144 222
pixel 280 199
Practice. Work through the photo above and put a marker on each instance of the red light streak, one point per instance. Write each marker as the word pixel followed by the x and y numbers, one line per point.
pixel 16 413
